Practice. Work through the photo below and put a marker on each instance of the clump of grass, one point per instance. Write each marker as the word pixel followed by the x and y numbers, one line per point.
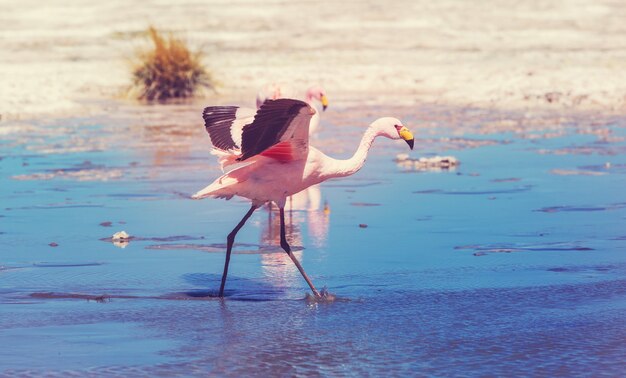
pixel 169 70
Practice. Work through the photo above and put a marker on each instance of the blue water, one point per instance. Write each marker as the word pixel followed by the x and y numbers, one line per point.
pixel 514 263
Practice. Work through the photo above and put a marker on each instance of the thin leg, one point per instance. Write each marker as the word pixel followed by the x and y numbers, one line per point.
pixel 287 248
pixel 270 229
pixel 230 240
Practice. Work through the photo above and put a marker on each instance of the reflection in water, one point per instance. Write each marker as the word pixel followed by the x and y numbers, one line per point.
pixel 309 199
pixel 303 210
pixel 277 266
pixel 318 222
pixel 165 145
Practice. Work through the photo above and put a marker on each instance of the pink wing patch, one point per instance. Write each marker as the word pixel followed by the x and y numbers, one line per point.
pixel 281 151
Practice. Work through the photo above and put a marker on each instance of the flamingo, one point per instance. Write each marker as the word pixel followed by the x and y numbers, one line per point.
pixel 315 93
pixel 274 160
pixel 308 199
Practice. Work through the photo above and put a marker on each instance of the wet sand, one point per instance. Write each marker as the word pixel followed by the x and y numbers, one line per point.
pixel 500 265
pixel 61 58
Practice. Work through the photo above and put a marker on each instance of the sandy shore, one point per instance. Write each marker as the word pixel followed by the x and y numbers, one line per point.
pixel 63 59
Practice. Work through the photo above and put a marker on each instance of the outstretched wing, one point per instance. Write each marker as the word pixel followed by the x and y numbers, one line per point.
pixel 225 125
pixel 280 130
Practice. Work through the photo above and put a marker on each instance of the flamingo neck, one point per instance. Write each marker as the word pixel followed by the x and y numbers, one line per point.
pixel 315 120
pixel 355 163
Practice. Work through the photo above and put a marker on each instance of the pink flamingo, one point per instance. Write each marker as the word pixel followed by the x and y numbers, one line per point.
pixel 315 93
pixel 275 161
pixel 310 198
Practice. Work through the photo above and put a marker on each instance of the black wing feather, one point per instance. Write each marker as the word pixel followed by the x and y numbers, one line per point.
pixel 218 121
pixel 270 124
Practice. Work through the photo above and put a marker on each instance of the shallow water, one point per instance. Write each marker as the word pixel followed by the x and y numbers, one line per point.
pixel 504 265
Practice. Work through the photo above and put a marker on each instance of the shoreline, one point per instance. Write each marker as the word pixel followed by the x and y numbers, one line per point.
pixel 101 107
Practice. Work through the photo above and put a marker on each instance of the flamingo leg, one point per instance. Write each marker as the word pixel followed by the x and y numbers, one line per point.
pixel 287 248
pixel 230 240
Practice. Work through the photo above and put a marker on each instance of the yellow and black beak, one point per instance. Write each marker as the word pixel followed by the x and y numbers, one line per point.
pixel 324 100
pixel 407 136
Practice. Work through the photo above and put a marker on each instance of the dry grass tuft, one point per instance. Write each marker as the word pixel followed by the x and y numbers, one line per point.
pixel 169 70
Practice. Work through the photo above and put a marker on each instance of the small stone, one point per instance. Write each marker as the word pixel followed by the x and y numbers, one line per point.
pixel 362 225
pixel 122 235
pixel 53 244
pixel 120 239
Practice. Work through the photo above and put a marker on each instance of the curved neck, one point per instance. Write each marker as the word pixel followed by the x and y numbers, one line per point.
pixel 315 120
pixel 350 166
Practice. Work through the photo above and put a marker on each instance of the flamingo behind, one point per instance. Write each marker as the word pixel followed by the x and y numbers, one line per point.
pixel 312 95
pixel 274 159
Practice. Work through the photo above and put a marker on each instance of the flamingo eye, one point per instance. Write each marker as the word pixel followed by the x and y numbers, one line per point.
pixel 398 127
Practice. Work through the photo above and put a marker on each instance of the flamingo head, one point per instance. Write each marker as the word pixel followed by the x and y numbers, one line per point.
pixel 393 128
pixel 318 93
